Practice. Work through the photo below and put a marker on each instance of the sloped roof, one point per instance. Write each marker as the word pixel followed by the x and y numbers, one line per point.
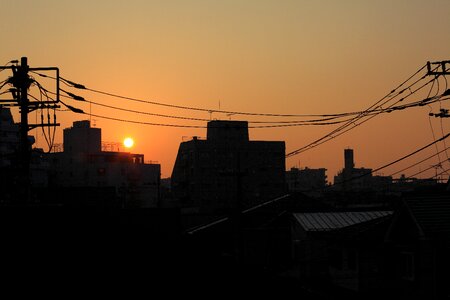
pixel 432 214
pixel 327 221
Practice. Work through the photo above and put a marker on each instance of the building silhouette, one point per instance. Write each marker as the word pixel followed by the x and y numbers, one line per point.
pixel 418 240
pixel 354 179
pixel 9 137
pixel 84 164
pixel 306 180
pixel 10 159
pixel 226 170
pixel 341 250
pixel 351 178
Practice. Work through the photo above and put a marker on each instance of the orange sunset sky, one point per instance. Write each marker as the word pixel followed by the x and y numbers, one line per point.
pixel 278 57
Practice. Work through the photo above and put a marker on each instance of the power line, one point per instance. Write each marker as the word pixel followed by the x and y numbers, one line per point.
pixel 412 153
pixel 442 172
pixel 427 169
pixel 198 126
pixel 332 117
pixel 291 123
pixel 393 162
pixel 139 122
pixel 287 123
pixel 418 163
pixel 351 123
pixel 298 122
pixel 338 131
pixel 81 86
pixel 182 125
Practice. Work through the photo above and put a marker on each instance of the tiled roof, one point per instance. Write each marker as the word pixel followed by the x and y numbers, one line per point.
pixel 327 221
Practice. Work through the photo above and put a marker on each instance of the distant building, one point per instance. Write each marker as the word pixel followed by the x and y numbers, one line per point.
pixel 409 184
pixel 359 179
pixel 306 180
pixel 351 178
pixel 84 164
pixel 9 153
pixel 227 170
pixel 9 137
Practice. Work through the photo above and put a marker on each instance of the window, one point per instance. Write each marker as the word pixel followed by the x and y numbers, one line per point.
pixel 407 265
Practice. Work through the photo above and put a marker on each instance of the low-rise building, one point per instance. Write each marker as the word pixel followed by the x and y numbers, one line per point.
pixel 359 179
pixel 341 251
pixel 419 243
pixel 9 138
pixel 12 171
pixel 351 178
pixel 306 180
pixel 227 170
pixel 84 164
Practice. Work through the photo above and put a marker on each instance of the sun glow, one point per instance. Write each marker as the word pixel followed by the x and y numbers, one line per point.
pixel 128 142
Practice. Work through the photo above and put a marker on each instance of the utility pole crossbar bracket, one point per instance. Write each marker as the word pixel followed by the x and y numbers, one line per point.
pixel 57 77
pixel 443 70
pixel 32 126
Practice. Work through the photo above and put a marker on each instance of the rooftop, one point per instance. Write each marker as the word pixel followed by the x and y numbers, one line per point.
pixel 327 221
pixel 432 213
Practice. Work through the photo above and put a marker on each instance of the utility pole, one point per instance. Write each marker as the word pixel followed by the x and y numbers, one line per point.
pixel 444 113
pixel 441 69
pixel 21 82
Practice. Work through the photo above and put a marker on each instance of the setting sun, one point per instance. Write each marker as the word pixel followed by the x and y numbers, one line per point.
pixel 128 142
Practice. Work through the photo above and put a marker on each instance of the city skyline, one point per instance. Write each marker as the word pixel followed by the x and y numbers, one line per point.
pixel 268 57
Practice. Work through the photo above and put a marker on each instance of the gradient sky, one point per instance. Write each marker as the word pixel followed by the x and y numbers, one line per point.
pixel 296 57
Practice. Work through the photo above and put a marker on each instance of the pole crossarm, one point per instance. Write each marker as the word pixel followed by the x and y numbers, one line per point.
pixel 33 126
pixel 443 68
pixel 57 76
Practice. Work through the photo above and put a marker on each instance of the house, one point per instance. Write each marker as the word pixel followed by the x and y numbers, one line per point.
pixel 341 251
pixel 419 246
